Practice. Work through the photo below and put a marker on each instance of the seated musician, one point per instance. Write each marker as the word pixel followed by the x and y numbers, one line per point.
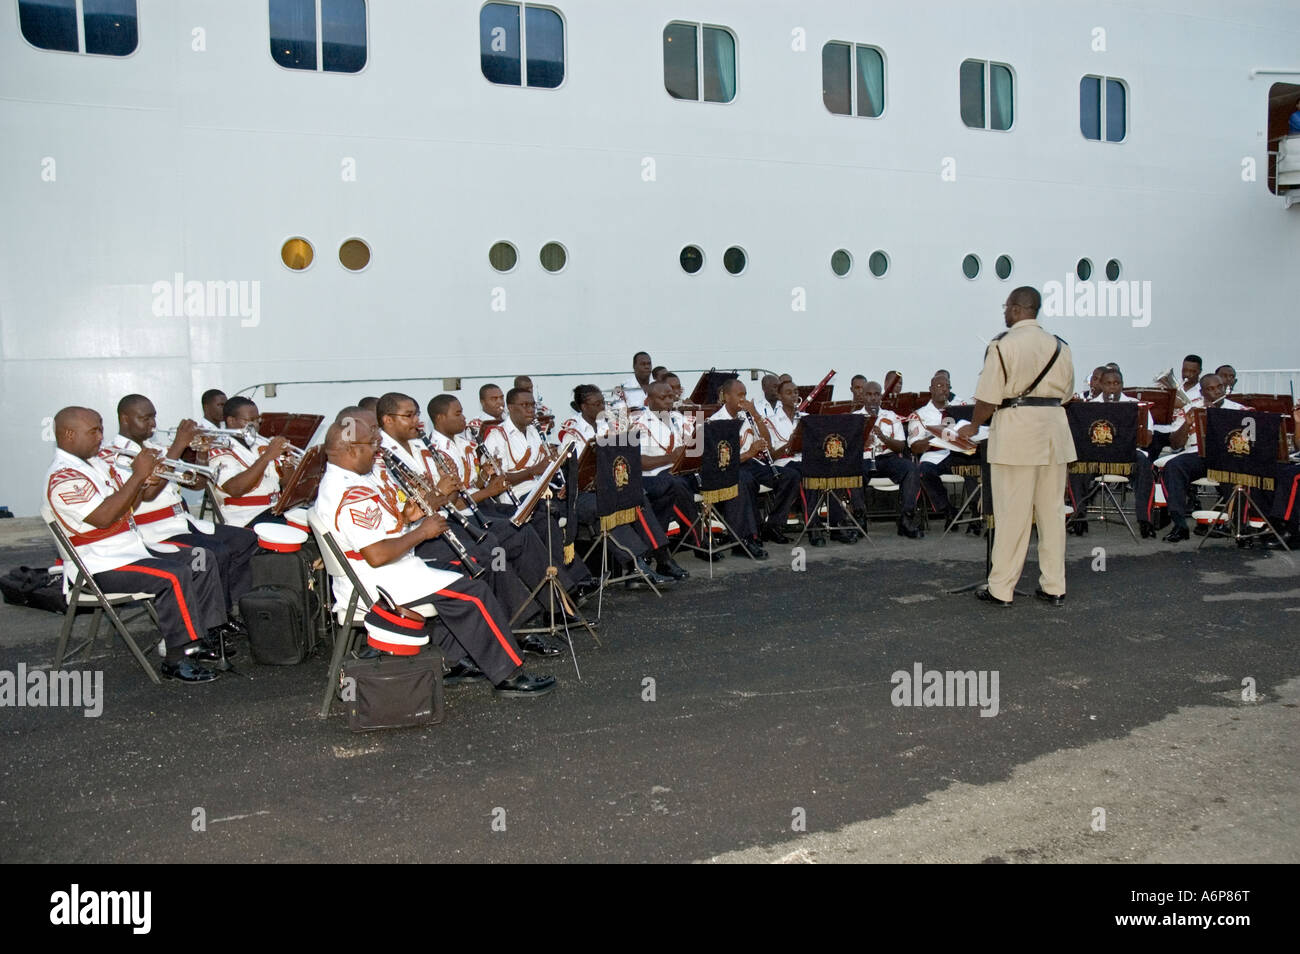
pixel 934 461
pixel 1228 375
pixel 369 403
pixel 402 449
pixel 742 512
pixel 885 455
pixel 481 481
pixel 1284 512
pixel 675 385
pixel 161 515
pixel 492 406
pixel 1191 376
pixel 633 390
pixel 663 443
pixel 644 538
pixel 781 423
pixel 765 404
pixel 858 391
pixel 1186 465
pixel 248 477
pixel 1143 479
pixel 213 402
pixel 1094 384
pixel 545 419
pixel 379 542
pixel 92 500
pixel 657 374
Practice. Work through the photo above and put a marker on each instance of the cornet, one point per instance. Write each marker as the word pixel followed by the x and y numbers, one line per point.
pixel 176 471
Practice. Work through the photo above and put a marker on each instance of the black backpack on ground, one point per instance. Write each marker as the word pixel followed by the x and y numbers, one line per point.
pixel 34 587
pixel 279 631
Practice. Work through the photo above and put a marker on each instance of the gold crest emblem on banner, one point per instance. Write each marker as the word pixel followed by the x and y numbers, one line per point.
pixel 1101 433
pixel 620 472
pixel 724 455
pixel 1237 444
pixel 833 447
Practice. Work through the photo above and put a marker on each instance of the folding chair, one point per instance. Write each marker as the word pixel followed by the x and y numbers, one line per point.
pixel 85 593
pixel 344 624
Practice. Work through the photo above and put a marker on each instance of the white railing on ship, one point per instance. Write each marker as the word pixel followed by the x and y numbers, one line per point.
pixel 1268 381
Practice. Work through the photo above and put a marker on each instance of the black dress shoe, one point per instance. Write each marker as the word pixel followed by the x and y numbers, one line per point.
pixel 1177 535
pixel 844 536
pixel 983 595
pixel 773 534
pixel 1056 599
pixel 754 549
pixel 463 671
pixel 522 685
pixel 646 577
pixel 1146 529
pixel 211 643
pixel 186 671
pixel 539 645
pixel 907 528
pixel 586 588
pixel 817 538
pixel 670 569
pixel 715 556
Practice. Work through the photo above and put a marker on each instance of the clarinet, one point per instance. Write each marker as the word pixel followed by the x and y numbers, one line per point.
pixel 482 452
pixel 766 456
pixel 415 487
pixel 463 494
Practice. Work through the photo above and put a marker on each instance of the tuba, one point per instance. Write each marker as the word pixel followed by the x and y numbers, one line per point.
pixel 1170 383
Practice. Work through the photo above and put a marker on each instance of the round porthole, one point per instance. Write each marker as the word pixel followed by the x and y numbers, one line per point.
pixel 970 265
pixel 878 263
pixel 1083 269
pixel 841 262
pixel 354 255
pixel 553 256
pixel 733 260
pixel 692 259
pixel 1003 267
pixel 297 254
pixel 503 256
pixel 1113 270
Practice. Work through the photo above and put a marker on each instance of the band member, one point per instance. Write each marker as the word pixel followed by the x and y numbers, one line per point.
pixel 1191 376
pixel 885 456
pixel 545 416
pixel 742 512
pixel 161 515
pixel 93 501
pixel 781 422
pixel 1186 464
pixel 663 444
pixel 248 477
pixel 857 389
pixel 1112 392
pixel 368 403
pixel 483 484
pixel 1228 375
pixel 657 374
pixel 934 461
pixel 492 405
pixel 634 388
pixel 1028 374
pixel 379 543
pixel 675 385
pixel 644 538
pixel 1094 385
pixel 214 407
pixel 766 404
pixel 517 444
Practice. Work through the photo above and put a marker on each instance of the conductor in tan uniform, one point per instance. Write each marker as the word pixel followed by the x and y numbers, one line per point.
pixel 1022 387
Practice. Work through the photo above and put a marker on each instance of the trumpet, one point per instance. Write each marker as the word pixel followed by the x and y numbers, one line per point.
pixel 176 471
pixel 208 437
pixel 1169 382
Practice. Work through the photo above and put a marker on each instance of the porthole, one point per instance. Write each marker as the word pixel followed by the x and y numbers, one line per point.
pixel 692 259
pixel 503 256
pixel 970 265
pixel 553 256
pixel 1113 270
pixel 297 254
pixel 1083 269
pixel 354 255
pixel 733 260
pixel 841 262
pixel 1003 267
pixel 878 263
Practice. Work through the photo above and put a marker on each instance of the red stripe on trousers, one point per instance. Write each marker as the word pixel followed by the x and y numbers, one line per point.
pixel 1290 504
pixel 505 643
pixel 686 523
pixel 176 588
pixel 653 542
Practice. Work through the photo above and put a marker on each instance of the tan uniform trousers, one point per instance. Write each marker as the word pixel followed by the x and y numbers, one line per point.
pixel 1025 495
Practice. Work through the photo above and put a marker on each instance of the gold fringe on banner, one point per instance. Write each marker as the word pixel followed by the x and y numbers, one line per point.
pixel 617 519
pixel 964 470
pixel 1096 467
pixel 1245 480
pixel 570 551
pixel 719 496
pixel 832 483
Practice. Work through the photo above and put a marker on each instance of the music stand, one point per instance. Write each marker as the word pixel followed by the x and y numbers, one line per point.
pixel 719 482
pixel 1231 456
pixel 969 465
pixel 831 445
pixel 706 389
pixel 1105 444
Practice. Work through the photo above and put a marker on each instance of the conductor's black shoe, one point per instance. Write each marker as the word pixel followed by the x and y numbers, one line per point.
pixel 754 549
pixel 1079 528
pixel 983 595
pixel 1177 535
pixel 845 536
pixel 817 538
pixel 1056 599
pixel 1146 528
pixel 463 671
pixel 186 671
pixel 539 645
pixel 523 685
pixel 670 569
pixel 773 534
